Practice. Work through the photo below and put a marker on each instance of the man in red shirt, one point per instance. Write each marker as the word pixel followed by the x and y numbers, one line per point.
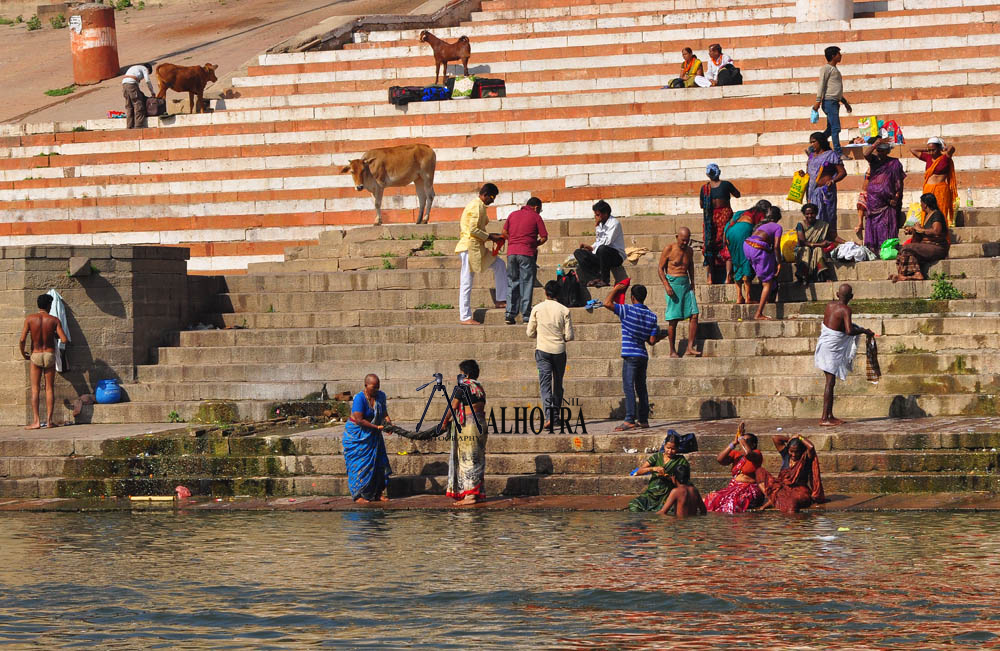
pixel 524 231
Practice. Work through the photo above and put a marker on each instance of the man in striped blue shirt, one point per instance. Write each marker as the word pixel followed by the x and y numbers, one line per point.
pixel 638 328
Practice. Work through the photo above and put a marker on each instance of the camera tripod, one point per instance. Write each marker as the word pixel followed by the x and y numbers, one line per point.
pixel 459 392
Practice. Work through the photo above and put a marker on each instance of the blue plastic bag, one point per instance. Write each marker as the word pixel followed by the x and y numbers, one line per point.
pixel 814 116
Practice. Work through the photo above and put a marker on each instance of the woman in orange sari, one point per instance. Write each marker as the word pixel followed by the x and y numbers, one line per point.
pixel 798 485
pixel 939 176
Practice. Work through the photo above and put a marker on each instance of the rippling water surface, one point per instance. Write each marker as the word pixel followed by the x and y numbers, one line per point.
pixel 491 579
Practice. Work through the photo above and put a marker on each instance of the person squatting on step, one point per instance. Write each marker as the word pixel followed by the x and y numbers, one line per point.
pixel 830 95
pixel 836 347
pixel 608 250
pixel 475 256
pixel 135 101
pixel 638 328
pixel 44 329
pixel 552 326
pixel 367 463
pixel 676 270
pixel 524 232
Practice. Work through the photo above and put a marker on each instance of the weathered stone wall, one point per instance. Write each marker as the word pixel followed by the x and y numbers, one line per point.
pixel 133 299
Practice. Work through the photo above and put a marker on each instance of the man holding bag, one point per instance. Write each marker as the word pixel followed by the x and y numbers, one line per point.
pixel 830 95
pixel 474 254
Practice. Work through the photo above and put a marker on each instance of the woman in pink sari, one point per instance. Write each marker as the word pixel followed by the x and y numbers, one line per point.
pixel 742 493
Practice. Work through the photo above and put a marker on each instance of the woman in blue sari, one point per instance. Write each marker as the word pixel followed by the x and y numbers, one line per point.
pixel 364 449
pixel 826 170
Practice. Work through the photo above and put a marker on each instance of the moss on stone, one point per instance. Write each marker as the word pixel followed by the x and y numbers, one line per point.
pixel 885 306
pixel 217 412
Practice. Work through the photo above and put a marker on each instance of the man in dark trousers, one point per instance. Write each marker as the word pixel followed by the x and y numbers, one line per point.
pixel 551 325
pixel 135 101
pixel 524 231
pixel 44 329
pixel 608 250
pixel 836 347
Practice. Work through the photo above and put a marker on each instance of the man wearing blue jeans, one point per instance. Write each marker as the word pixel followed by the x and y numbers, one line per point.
pixel 524 231
pixel 638 328
pixel 830 95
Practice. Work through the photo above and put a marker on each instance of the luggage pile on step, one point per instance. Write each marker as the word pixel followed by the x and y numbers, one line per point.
pixel 470 87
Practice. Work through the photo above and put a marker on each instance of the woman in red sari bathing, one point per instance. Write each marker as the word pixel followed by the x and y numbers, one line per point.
pixel 798 485
pixel 742 493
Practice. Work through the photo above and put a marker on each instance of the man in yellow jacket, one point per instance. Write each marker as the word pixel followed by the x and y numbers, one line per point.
pixel 476 255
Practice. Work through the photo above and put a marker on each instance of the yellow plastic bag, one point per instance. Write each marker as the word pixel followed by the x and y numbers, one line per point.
pixel 788 243
pixel 868 127
pixel 913 215
pixel 798 190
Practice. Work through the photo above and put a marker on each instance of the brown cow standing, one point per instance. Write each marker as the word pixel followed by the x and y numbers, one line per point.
pixel 386 167
pixel 186 79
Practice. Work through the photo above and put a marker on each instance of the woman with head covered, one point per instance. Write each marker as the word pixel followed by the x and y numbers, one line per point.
pixel 716 209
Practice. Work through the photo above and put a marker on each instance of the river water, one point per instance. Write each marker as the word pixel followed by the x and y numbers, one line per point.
pixel 365 579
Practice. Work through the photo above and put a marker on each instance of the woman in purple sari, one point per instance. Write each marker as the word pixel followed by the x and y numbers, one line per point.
pixel 825 171
pixel 885 194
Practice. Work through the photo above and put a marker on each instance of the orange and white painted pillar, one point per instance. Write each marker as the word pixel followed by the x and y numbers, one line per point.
pixel 93 42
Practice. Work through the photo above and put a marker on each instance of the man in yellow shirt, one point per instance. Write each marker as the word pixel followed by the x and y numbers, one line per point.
pixel 476 256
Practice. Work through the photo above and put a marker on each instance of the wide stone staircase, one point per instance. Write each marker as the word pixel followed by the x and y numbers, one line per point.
pixel 586 117
pixel 313 297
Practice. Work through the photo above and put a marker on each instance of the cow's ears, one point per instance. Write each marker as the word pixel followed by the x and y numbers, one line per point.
pixel 346 169
pixel 212 66
pixel 369 161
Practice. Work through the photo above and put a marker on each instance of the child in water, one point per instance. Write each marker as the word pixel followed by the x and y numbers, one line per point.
pixel 684 497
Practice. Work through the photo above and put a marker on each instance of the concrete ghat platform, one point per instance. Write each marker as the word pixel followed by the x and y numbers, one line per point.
pixel 846 502
pixel 101 464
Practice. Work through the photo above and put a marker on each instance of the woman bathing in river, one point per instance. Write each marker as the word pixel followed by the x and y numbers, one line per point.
pixel 742 493
pixel 798 485
pixel 661 465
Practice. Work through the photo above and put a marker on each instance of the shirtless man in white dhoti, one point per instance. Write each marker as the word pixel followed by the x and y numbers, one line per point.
pixel 837 345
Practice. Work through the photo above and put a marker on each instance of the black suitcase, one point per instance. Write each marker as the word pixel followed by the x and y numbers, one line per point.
pixel 156 106
pixel 483 88
pixel 402 95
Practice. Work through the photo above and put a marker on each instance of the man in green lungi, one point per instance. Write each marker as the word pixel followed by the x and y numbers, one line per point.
pixel 677 275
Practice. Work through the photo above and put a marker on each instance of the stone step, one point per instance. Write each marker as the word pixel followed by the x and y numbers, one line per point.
pixel 801 379
pixel 613 464
pixel 789 296
pixel 871 483
pixel 970 434
pixel 445 276
pixel 888 324
pixel 744 345
pixel 868 405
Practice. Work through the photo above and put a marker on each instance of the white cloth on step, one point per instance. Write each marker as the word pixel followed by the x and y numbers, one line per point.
pixel 835 352
pixel 853 252
pixel 58 310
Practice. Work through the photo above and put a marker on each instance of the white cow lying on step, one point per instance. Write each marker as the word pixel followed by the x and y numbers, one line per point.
pixel 386 167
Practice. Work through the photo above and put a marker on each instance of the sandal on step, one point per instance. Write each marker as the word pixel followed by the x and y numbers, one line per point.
pixel 626 426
